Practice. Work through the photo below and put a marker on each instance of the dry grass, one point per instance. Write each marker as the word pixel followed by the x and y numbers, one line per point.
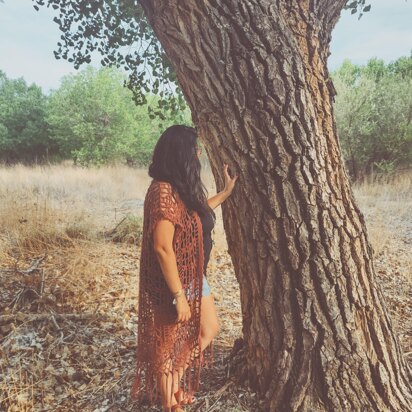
pixel 386 205
pixel 71 294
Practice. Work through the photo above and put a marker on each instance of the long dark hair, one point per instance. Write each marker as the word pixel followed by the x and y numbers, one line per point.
pixel 175 161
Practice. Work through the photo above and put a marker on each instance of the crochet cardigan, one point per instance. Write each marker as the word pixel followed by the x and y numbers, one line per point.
pixel 163 345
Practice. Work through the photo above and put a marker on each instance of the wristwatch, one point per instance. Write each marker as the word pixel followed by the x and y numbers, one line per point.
pixel 176 295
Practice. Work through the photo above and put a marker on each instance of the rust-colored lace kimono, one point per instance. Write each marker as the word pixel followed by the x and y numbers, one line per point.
pixel 162 344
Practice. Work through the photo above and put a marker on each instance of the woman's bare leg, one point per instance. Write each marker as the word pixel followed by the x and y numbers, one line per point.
pixel 209 328
pixel 165 380
pixel 209 324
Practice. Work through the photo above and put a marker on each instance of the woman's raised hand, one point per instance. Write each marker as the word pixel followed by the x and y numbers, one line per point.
pixel 229 181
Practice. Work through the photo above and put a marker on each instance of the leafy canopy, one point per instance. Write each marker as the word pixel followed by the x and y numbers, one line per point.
pixel 119 31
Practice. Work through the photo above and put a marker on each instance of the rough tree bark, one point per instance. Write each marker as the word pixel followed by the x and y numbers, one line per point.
pixel 316 334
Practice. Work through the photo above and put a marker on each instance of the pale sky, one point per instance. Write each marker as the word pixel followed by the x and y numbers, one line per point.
pixel 28 38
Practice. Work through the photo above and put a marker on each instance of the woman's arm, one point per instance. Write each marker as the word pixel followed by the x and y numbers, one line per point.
pixel 219 198
pixel 163 246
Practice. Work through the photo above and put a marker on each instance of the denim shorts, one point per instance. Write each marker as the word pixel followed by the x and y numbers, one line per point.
pixel 205 287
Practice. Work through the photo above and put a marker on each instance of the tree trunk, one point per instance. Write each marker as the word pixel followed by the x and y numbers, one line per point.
pixel 316 333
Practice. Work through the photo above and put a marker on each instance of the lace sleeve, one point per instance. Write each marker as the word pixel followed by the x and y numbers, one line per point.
pixel 164 205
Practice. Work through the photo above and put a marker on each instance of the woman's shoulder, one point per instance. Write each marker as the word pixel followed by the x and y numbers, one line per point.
pixel 164 190
pixel 165 187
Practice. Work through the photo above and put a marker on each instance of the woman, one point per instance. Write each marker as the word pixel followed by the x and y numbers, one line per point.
pixel 177 316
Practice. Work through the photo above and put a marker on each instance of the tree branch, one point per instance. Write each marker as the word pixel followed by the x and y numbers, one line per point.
pixel 328 12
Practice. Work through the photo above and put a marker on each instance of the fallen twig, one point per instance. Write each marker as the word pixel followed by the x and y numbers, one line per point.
pixel 215 397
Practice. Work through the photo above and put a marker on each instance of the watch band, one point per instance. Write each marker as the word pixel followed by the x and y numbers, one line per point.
pixel 176 295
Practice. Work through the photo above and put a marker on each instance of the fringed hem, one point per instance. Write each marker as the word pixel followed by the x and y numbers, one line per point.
pixel 148 389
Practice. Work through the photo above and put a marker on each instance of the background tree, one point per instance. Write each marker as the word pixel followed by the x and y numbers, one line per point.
pixel 24 134
pixel 91 118
pixel 374 114
pixel 316 333
pixel 94 120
